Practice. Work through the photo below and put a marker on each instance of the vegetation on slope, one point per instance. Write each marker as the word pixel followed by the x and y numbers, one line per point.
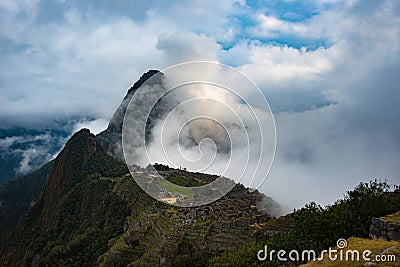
pixel 317 228
pixel 83 215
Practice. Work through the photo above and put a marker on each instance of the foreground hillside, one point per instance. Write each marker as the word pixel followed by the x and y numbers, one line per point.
pixel 318 228
pixel 93 213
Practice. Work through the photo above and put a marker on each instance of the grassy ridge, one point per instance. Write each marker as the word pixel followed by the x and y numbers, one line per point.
pixel 172 188
pixel 377 246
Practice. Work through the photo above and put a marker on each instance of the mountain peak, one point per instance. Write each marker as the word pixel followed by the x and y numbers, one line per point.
pixel 145 76
pixel 68 167
pixel 110 138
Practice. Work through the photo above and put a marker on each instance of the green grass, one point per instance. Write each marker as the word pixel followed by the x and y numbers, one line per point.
pixel 172 188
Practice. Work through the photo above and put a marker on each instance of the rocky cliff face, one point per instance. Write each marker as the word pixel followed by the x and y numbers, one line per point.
pixel 112 136
pixel 384 229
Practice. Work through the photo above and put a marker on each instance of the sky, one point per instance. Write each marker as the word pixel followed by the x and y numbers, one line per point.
pixel 329 70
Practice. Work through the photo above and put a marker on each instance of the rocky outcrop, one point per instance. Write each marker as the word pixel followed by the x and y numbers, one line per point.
pixel 111 138
pixel 384 229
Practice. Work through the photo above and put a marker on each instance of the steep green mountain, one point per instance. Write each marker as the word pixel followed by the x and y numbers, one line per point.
pixel 93 213
pixel 77 214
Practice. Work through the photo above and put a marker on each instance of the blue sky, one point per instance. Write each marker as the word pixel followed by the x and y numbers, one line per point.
pixel 328 68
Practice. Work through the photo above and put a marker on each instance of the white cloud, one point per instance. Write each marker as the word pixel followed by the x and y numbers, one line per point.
pixel 77 70
pixel 9 5
pixel 187 46
pixel 32 150
pixel 278 64
pixel 31 154
pixel 198 16
pixel 241 130
pixel 73 16
pixel 271 27
pixel 27 7
pixel 95 126
pixel 321 155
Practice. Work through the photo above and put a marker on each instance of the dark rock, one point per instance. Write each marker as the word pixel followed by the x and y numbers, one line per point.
pixel 382 229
